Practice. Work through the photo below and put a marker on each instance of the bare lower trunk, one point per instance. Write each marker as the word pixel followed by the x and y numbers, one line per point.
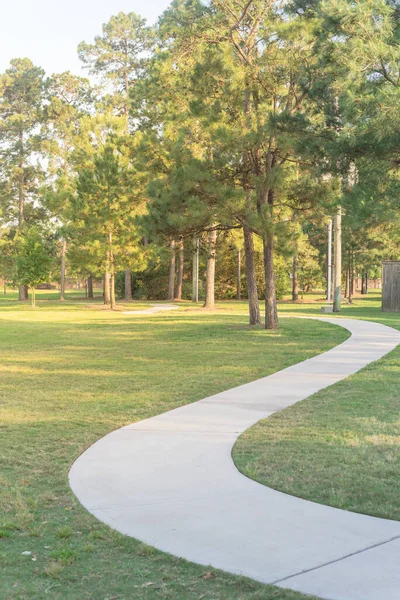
pixel 252 293
pixel 21 183
pixel 22 293
pixel 128 285
pixel 295 280
pixel 195 272
pixel 106 286
pixel 63 258
pixel 364 283
pixel 239 275
pixel 210 277
pixel 5 287
pixel 90 287
pixel 181 264
pixel 271 312
pixel 172 264
pixel 22 289
pixel 112 287
pixel 112 271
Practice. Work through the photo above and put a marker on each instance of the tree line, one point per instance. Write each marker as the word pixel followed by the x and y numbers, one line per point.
pixel 229 132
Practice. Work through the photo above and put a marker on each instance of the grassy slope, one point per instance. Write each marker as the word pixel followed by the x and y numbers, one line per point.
pixel 341 446
pixel 71 373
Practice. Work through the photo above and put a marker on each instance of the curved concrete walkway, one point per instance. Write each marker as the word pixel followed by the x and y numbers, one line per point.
pixel 155 308
pixel 170 481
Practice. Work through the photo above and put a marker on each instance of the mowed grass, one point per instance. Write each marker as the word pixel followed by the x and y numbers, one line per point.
pixel 75 300
pixel 341 446
pixel 71 373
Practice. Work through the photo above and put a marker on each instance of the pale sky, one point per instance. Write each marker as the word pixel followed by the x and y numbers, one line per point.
pixel 49 31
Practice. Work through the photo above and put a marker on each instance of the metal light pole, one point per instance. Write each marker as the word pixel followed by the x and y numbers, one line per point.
pixel 329 262
pixel 337 292
pixel 328 308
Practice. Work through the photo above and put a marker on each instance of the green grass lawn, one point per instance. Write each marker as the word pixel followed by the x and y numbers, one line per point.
pixel 70 373
pixel 341 446
pixel 75 300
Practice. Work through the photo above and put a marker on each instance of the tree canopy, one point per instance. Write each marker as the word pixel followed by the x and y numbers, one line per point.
pixel 245 120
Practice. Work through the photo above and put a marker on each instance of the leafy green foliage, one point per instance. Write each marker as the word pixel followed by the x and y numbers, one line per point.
pixel 21 116
pixel 34 261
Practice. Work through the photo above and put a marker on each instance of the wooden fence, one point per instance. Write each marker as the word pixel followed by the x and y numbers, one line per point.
pixel 391 286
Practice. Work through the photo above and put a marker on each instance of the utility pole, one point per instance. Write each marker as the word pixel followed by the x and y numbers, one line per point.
pixel 337 279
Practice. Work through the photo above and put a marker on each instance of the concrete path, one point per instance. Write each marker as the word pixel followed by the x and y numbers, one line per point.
pixel 170 481
pixel 155 308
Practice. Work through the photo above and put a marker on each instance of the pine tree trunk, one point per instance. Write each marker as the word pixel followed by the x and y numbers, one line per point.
pixel 181 264
pixel 90 287
pixel 112 272
pixel 295 280
pixel 22 289
pixel 112 286
pixel 172 261
pixel 364 284
pixel 351 286
pixel 347 287
pixel 195 271
pixel 210 276
pixel 252 292
pixel 21 187
pixel 128 285
pixel 239 275
pixel 271 311
pixel 106 286
pixel 347 292
pixel 63 258
pixel 266 200
pixel 251 280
